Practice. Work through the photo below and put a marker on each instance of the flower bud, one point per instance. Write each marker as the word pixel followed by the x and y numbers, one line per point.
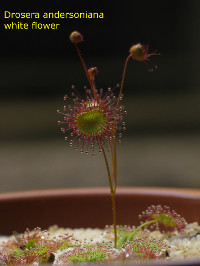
pixel 75 37
pixel 137 51
pixel 93 71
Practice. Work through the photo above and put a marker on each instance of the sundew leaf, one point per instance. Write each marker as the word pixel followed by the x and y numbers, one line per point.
pixel 166 220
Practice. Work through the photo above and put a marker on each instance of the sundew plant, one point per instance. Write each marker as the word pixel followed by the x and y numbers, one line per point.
pixel 95 121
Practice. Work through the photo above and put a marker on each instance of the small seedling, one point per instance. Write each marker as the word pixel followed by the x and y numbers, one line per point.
pixel 86 254
pixel 32 247
pixel 163 219
pixel 143 249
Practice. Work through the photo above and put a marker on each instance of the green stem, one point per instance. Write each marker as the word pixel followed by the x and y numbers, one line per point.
pixel 111 154
pixel 122 239
pixel 112 196
pixel 108 170
pixel 114 219
pixel 140 227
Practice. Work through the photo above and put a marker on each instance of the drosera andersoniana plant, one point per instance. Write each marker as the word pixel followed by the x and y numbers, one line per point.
pixel 157 217
pixel 97 118
pixel 88 253
pixel 162 218
pixel 33 247
pixel 143 249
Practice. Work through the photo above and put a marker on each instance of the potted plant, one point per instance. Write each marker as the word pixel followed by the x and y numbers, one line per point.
pixel 169 216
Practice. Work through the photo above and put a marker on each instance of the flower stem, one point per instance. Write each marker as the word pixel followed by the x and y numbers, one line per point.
pixel 114 163
pixel 123 78
pixel 112 192
pixel 108 170
pixel 114 218
pixel 113 166
pixel 86 72
pixel 114 157
pixel 114 131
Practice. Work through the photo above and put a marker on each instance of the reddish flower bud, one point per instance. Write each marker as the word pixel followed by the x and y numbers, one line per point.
pixel 93 71
pixel 140 53
pixel 75 37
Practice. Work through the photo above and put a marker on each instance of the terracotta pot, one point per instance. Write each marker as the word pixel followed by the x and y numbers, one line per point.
pixel 90 207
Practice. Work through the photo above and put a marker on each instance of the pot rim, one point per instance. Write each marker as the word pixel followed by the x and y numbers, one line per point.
pixel 90 191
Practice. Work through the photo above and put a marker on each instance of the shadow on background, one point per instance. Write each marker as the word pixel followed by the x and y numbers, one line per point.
pixel 161 146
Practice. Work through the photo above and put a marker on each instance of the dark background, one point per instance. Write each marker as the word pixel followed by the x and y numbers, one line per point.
pixel 161 146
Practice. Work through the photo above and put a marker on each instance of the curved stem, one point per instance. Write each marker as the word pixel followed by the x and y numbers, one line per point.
pixel 86 72
pixel 123 78
pixel 138 228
